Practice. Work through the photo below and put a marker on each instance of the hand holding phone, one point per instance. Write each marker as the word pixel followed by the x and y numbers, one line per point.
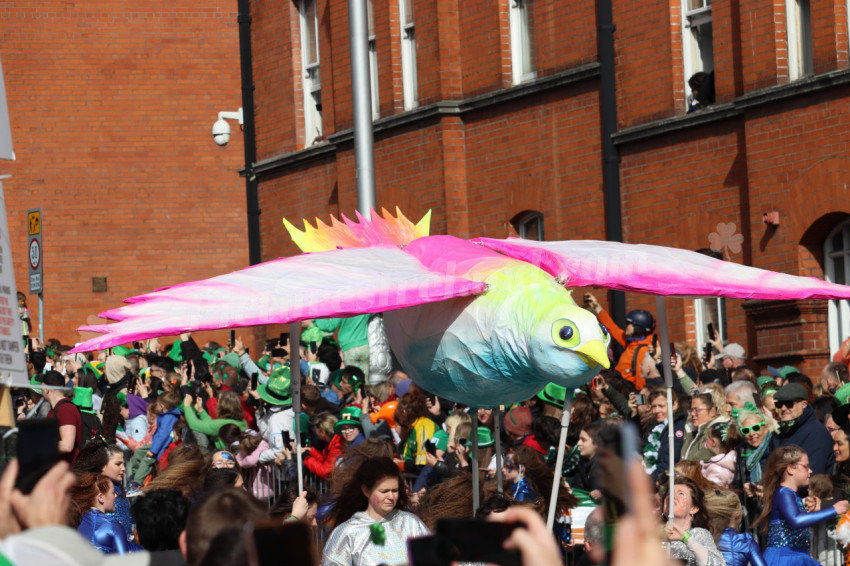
pixel 467 540
pixel 266 541
pixel 38 451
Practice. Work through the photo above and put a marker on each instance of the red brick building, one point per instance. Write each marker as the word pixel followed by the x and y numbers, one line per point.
pixel 489 112
pixel 111 106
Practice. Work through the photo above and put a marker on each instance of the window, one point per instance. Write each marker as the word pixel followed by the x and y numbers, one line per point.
pixel 529 225
pixel 837 259
pixel 373 59
pixel 799 38
pixel 310 63
pixel 408 56
pixel 697 40
pixel 523 64
pixel 709 310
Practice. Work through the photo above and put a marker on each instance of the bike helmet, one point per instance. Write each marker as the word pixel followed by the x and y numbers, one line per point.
pixel 642 321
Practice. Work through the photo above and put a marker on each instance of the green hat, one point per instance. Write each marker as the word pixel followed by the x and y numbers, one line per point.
pixel 122 398
pixel 485 437
pixel 553 393
pixel 82 399
pixel 336 377
pixel 842 394
pixel 349 416
pixel 782 372
pixel 34 380
pixel 231 359
pixel 176 353
pixel 765 380
pixel 278 390
pixel 208 357
pixel 440 440
pixel 123 351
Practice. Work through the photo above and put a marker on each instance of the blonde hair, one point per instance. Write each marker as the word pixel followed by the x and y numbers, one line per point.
pixel 718 396
pixel 453 421
pixel 724 510
pixel 326 422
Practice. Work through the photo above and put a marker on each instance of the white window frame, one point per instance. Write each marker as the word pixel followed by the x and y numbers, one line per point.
pixel 701 319
pixel 312 83
pixel 525 220
pixel 410 83
pixel 799 33
pixel 838 317
pixel 522 42
pixel 373 59
pixel 696 19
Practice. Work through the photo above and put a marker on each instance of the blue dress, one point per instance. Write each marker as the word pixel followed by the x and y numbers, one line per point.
pixel 739 549
pixel 788 531
pixel 122 510
pixel 105 533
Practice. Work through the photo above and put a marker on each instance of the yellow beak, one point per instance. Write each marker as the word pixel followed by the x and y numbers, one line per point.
pixel 594 353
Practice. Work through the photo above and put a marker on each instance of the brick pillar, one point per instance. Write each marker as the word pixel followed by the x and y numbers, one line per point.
pixel 790 333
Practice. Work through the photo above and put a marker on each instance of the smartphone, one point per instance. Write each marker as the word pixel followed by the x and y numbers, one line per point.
pixel 267 540
pixel 617 448
pixel 279 353
pixel 314 346
pixel 712 335
pixel 38 451
pixel 640 399
pixel 465 540
pixel 431 448
pixel 655 342
pixel 284 339
pixel 287 439
pixel 254 378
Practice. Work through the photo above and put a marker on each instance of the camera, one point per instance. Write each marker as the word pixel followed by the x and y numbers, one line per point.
pixel 221 132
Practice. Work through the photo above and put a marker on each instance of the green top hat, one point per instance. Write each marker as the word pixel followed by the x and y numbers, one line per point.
pixel 485 437
pixel 349 416
pixel 82 399
pixel 278 390
pixel 553 393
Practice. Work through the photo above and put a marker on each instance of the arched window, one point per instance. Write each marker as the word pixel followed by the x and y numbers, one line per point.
pixel 837 270
pixel 529 225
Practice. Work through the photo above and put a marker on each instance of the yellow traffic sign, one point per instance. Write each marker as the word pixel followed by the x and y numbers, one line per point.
pixel 34 222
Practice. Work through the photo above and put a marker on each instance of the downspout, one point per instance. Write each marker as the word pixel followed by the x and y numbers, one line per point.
pixel 251 183
pixel 610 155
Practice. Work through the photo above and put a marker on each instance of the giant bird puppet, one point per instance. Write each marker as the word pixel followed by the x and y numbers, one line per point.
pixel 483 322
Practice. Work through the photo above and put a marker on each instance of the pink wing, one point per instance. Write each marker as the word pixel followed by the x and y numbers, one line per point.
pixel 317 285
pixel 660 271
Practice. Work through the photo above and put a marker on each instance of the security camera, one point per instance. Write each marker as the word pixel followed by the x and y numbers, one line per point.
pixel 221 132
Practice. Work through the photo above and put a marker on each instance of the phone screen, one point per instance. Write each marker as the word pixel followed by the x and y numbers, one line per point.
pixel 254 378
pixel 283 340
pixel 464 540
pixel 38 451
pixel 313 347
pixel 267 541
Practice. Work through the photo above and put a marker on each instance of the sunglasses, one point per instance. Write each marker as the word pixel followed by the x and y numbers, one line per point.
pixel 745 430
pixel 784 404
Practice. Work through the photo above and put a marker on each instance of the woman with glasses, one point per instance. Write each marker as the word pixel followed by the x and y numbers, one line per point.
pixel 703 414
pixel 784 519
pixel 759 439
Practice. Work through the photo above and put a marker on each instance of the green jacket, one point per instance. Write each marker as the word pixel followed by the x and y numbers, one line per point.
pixel 210 426
pixel 353 331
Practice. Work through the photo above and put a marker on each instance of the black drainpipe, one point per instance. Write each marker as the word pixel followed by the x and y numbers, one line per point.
pixel 251 183
pixel 610 155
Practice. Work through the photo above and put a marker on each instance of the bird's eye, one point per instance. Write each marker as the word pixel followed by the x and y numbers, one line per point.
pixel 565 333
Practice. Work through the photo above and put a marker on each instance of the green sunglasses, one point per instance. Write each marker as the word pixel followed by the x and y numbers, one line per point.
pixel 745 430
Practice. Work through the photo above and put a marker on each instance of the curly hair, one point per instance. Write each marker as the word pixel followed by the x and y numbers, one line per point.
pixel 93 457
pixel 84 493
pixel 453 498
pixel 410 407
pixel 111 409
pixel 350 497
pixel 353 456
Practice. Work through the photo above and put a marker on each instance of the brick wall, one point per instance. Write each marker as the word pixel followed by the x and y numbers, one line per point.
pixel 111 107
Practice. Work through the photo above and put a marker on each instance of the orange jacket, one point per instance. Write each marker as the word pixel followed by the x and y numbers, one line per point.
pixel 624 364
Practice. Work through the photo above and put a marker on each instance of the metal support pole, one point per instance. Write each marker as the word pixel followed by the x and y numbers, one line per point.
pixel 361 90
pixel 473 464
pixel 497 433
pixel 559 461
pixel 41 318
pixel 664 339
pixel 295 381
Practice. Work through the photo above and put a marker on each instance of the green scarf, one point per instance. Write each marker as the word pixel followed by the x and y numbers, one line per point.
pixel 753 457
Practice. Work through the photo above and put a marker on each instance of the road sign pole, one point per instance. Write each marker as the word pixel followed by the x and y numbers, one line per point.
pixel 41 319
